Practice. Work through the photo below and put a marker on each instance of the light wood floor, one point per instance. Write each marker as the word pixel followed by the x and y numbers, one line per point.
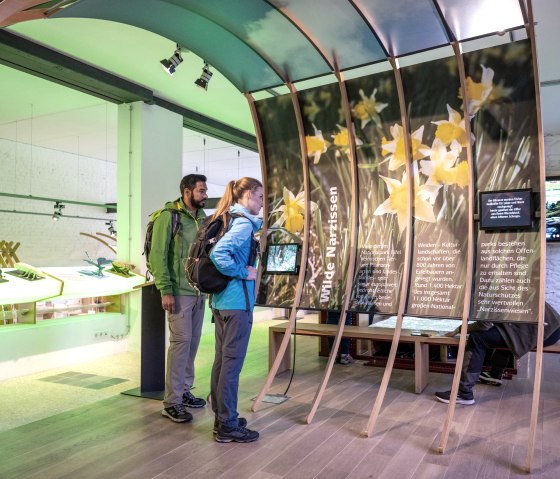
pixel 125 437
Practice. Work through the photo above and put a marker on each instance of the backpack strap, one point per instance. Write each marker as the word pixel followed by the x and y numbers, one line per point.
pixel 229 217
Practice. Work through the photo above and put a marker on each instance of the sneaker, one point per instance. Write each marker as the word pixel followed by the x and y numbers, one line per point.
pixel 235 434
pixel 241 422
pixel 177 413
pixel 190 401
pixel 346 359
pixel 462 397
pixel 489 378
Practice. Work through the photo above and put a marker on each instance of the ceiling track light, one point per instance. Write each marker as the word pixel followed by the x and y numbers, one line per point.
pixel 205 77
pixel 171 63
pixel 58 206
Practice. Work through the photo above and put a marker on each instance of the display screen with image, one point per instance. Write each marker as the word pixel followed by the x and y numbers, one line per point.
pixel 505 209
pixel 552 199
pixel 282 259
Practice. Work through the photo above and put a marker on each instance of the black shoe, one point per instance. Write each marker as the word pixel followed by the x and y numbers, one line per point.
pixel 462 397
pixel 235 434
pixel 190 401
pixel 241 422
pixel 177 413
pixel 489 378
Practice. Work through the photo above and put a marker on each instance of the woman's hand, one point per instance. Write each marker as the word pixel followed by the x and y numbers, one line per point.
pixel 251 273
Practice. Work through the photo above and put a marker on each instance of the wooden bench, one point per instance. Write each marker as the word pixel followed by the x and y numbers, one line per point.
pixel 421 344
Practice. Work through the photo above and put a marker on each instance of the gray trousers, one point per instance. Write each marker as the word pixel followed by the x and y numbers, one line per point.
pixel 233 328
pixel 185 326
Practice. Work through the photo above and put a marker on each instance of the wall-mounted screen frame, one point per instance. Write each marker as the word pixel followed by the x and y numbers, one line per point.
pixel 282 258
pixel 506 209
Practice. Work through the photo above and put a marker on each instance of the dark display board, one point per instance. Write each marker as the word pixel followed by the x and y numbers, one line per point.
pixel 501 210
pixel 439 141
pixel 284 176
pixel 380 155
pixel 503 105
pixel 329 158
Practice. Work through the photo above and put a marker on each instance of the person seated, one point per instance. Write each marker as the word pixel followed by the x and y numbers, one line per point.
pixel 501 358
pixel 519 338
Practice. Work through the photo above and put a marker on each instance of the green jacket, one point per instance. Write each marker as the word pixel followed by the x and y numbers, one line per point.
pixel 166 256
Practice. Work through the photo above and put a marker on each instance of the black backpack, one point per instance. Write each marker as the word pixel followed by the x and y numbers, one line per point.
pixel 175 225
pixel 201 272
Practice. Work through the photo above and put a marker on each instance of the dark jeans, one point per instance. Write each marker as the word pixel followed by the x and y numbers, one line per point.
pixel 233 328
pixel 478 343
pixel 332 318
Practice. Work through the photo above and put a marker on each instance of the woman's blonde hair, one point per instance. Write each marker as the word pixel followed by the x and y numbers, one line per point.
pixel 234 192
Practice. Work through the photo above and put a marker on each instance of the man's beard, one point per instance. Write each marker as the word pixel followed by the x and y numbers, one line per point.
pixel 197 204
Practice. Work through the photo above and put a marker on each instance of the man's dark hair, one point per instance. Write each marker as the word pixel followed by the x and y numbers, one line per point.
pixel 189 182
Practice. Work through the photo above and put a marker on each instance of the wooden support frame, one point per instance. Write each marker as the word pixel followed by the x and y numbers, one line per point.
pixel 304 253
pixel 352 253
pixel 542 228
pixel 470 258
pixel 100 240
pixel 262 158
pixel 407 257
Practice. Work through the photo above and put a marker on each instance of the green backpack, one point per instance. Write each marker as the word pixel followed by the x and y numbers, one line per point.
pixel 175 226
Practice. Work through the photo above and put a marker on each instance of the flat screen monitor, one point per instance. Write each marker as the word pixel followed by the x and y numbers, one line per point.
pixel 506 210
pixel 552 199
pixel 282 258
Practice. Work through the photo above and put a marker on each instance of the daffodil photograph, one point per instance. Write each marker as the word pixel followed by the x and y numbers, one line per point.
pixel 285 189
pixel 440 174
pixel 502 107
pixel 330 164
pixel 380 158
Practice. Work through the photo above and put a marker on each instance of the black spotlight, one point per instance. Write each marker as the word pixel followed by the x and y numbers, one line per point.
pixel 57 211
pixel 169 65
pixel 205 77
pixel 111 228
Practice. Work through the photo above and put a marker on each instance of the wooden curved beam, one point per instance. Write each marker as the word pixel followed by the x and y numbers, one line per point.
pixel 305 249
pixel 101 241
pixel 353 247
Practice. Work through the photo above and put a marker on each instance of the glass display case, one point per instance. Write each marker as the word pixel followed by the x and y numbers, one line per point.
pixel 32 295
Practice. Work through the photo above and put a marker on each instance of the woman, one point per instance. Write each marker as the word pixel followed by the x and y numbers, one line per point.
pixel 233 308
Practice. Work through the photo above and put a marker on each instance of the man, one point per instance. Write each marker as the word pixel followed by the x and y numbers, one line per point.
pixel 520 338
pixel 183 304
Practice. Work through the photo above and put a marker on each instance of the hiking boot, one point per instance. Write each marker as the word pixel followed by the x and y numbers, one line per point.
pixel 190 401
pixel 346 359
pixel 177 413
pixel 462 397
pixel 235 434
pixel 241 422
pixel 489 378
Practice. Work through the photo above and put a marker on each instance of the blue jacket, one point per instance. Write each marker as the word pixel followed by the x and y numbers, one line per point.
pixel 230 255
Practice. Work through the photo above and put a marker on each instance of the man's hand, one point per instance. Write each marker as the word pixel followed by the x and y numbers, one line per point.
pixel 251 273
pixel 455 332
pixel 168 303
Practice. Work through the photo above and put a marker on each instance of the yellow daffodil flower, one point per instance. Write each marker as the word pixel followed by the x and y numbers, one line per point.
pixel 442 168
pixel 397 203
pixel 452 129
pixel 394 150
pixel 368 109
pixel 342 141
pixel 480 94
pixel 310 110
pixel 316 145
pixel 292 211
